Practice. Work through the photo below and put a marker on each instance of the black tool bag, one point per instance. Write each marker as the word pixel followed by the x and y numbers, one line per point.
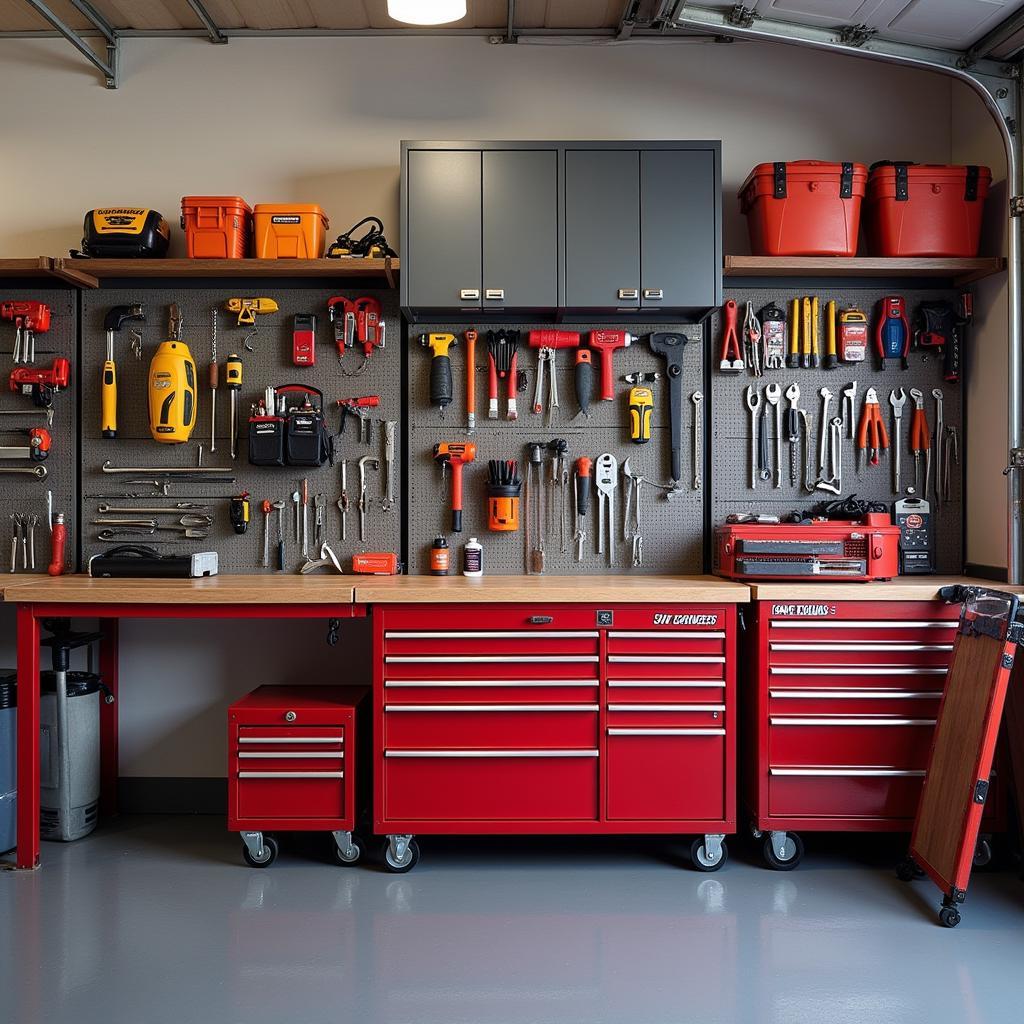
pixel 296 437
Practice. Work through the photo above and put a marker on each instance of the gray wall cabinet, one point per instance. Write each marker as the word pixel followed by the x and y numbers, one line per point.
pixel 560 229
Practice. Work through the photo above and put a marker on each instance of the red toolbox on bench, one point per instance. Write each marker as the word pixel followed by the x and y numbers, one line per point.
pixel 803 208
pixel 925 209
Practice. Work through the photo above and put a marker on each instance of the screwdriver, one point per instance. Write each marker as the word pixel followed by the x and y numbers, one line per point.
pixel 214 380
pixel 815 317
pixel 793 359
pixel 470 337
pixel 582 497
pixel 584 378
pixel 266 508
pixel 831 358
pixel 233 379
pixel 805 328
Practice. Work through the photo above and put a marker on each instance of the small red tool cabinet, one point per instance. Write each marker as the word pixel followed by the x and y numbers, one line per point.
pixel 292 767
pixel 840 702
pixel 570 718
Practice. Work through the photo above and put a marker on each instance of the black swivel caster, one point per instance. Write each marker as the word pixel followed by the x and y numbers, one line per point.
pixel 261 854
pixel 782 851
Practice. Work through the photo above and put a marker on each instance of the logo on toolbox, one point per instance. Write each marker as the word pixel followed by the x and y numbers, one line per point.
pixel 804 610
pixel 666 619
pixel 281 218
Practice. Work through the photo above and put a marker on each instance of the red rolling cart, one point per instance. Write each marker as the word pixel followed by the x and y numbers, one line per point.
pixel 292 767
pixel 554 718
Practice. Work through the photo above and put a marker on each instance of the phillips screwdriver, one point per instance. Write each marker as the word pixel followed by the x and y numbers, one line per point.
pixel 831 356
pixel 233 379
pixel 581 496
pixel 815 317
pixel 806 333
pixel 266 508
pixel 214 379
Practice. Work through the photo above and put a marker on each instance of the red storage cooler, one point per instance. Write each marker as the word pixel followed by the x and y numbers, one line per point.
pixel 216 227
pixel 803 208
pixel 925 209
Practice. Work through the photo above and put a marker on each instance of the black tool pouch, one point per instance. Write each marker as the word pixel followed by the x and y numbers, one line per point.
pixel 266 440
pixel 307 441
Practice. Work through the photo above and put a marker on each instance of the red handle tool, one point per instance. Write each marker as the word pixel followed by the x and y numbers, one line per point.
pixel 58 538
pixel 732 356
pixel 606 342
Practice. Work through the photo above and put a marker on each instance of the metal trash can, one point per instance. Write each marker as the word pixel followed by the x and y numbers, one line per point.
pixel 8 759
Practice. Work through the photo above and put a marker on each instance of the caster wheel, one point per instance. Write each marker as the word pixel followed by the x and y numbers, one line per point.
pixel 983 853
pixel 269 854
pixel 784 853
pixel 412 856
pixel 949 917
pixel 358 850
pixel 907 870
pixel 702 861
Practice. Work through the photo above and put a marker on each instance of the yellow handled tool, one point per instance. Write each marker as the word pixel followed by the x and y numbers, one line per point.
pixel 793 359
pixel 831 357
pixel 172 387
pixel 233 379
pixel 248 308
pixel 815 325
pixel 440 368
pixel 641 408
pixel 805 348
pixel 116 318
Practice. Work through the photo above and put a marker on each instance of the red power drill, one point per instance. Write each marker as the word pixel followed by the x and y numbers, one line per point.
pixel 42 383
pixel 30 318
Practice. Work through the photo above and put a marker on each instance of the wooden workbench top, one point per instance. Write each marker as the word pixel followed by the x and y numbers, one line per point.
pixel 209 590
pixel 590 589
pixel 905 588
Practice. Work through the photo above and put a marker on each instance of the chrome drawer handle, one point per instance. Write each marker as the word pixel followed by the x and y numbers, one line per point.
pixel 469 294
pixel 667 707
pixel 490 659
pixel 492 707
pixel 258 755
pixel 424 684
pixel 628 293
pixel 844 721
pixel 494 294
pixel 668 634
pixel 654 293
pixel 852 773
pixel 489 753
pixel 503 634
pixel 666 659
pixel 853 670
pixel 798 694
pixel 674 684
pixel 291 775
pixel 866 624
pixel 666 732
pixel 855 646
pixel 290 739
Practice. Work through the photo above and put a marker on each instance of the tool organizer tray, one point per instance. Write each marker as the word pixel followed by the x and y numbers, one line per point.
pixel 271 363
pixel 673 530
pixel 22 493
pixel 730 421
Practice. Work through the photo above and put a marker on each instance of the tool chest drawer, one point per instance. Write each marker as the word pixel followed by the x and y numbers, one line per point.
pixel 850 740
pixel 500 691
pixel 857 701
pixel 666 691
pixel 853 791
pixel 490 725
pixel 454 620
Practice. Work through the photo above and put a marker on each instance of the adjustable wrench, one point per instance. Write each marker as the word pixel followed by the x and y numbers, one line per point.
pixel 850 409
pixel 897 399
pixel 939 437
pixel 753 399
pixel 793 429
pixel 826 400
pixel 606 472
pixel 698 431
pixel 773 396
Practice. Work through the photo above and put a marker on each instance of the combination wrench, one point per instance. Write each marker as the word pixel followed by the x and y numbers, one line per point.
pixel 773 396
pixel 753 399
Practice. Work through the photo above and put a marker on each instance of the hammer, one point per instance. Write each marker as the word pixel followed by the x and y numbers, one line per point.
pixel 116 318
pixel 455 454
pixel 606 342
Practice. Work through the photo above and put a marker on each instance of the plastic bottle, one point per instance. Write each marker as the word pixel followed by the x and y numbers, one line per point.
pixel 440 557
pixel 473 558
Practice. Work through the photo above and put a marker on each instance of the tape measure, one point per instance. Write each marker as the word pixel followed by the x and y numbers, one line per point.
pixel 641 409
pixel 853 335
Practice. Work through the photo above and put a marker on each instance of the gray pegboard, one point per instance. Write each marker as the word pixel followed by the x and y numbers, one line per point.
pixel 731 424
pixel 672 530
pixel 270 364
pixel 22 493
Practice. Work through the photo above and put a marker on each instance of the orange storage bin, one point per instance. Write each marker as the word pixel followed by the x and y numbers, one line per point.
pixel 216 227
pixel 296 231
pixel 803 207
pixel 925 209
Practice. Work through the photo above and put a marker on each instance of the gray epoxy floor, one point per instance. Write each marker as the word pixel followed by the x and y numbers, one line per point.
pixel 156 920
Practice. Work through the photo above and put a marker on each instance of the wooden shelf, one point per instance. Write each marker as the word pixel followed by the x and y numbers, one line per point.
pixel 34 266
pixel 959 271
pixel 92 273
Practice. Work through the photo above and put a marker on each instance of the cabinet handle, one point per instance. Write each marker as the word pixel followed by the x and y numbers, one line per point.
pixel 262 755
pixel 674 684
pixel 654 293
pixel 468 659
pixel 629 293
pixel 853 773
pixel 469 294
pixel 291 775
pixel 854 670
pixel 667 707
pixel 500 634
pixel 865 624
pixel 855 646
pixel 490 753
pixel 667 659
pixel 494 294
pixel 468 684
pixel 668 634
pixel 844 721
pixel 290 739
pixel 666 732
pixel 492 707
pixel 798 694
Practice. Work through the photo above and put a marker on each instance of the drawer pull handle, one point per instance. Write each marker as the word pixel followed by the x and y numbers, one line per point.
pixel 290 739
pixel 492 707
pixel 490 659
pixel 856 646
pixel 668 634
pixel 540 620
pixel 675 684
pixel 852 773
pixel 291 775
pixel 490 753
pixel 666 732
pixel 257 755
pixel 853 670
pixel 667 707
pixel 666 659
pixel 844 721
pixel 797 694
pixel 494 294
pixel 866 624
pixel 469 294
pixel 628 293
pixel 498 634
pixel 424 684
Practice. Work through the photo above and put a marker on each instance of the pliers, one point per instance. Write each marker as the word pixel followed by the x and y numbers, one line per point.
pixel 327 557
pixel 752 340
pixel 920 441
pixel 871 429
pixel 732 356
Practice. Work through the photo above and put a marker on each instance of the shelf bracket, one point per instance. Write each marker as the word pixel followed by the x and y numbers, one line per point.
pixel 109 68
pixel 213 30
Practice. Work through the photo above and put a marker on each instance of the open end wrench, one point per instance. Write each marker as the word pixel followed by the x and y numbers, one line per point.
pixel 773 396
pixel 850 409
pixel 823 439
pixel 753 400
pixel 606 471
pixel 793 397
pixel 897 399
pixel 939 440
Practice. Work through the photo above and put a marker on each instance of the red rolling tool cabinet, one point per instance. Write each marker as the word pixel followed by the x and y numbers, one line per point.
pixel 571 718
pixel 292 767
pixel 840 704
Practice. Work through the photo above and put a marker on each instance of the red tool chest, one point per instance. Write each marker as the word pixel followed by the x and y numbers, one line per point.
pixel 840 704
pixel 292 767
pixel 575 719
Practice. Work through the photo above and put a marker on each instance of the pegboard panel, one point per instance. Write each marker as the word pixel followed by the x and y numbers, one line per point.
pixel 270 364
pixel 672 530
pixel 23 494
pixel 731 428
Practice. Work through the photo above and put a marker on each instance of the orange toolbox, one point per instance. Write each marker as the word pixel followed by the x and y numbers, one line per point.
pixel 290 231
pixel 925 209
pixel 803 207
pixel 216 227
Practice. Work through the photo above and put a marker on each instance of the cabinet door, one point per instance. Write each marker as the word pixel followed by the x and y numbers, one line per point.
pixel 602 229
pixel 520 229
pixel 679 228
pixel 444 231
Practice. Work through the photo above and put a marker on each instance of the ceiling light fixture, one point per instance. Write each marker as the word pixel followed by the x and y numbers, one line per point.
pixel 427 12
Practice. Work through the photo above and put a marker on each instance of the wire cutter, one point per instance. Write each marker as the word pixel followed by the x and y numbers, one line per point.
pixel 920 441
pixel 871 429
pixel 732 355
pixel 752 340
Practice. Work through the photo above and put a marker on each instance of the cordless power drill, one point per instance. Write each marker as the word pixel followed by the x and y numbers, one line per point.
pixel 41 383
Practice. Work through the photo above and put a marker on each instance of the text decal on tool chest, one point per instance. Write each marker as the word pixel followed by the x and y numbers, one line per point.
pixel 815 610
pixel 667 619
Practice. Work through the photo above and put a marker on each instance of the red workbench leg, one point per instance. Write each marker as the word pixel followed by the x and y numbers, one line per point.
pixel 108 717
pixel 28 738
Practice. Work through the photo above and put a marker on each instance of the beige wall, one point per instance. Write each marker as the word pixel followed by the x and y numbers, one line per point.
pixel 320 120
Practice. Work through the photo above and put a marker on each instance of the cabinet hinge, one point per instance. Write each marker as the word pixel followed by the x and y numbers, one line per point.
pixel 980 791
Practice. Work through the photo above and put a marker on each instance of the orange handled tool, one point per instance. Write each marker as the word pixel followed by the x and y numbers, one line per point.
pixel 581 497
pixel 58 538
pixel 871 432
pixel 470 337
pixel 455 455
pixel 920 441
pixel 732 357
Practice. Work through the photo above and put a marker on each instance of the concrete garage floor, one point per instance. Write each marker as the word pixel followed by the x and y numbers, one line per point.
pixel 156 920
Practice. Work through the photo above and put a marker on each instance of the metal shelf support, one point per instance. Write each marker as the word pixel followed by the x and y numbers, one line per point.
pixel 110 68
